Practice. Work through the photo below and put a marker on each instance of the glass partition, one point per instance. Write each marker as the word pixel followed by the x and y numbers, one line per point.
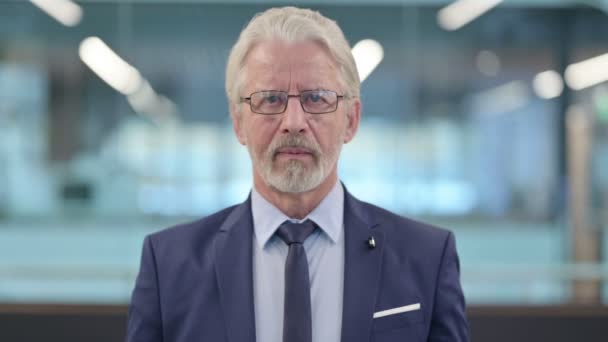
pixel 466 129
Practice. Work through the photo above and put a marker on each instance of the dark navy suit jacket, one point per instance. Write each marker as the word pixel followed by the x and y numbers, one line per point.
pixel 196 283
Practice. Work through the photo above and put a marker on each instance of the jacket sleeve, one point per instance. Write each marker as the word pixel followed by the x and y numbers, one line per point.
pixel 144 323
pixel 449 322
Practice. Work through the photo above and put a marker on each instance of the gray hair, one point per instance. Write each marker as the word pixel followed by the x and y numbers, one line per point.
pixel 292 24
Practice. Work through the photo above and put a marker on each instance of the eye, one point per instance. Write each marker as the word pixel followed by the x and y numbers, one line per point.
pixel 314 97
pixel 271 99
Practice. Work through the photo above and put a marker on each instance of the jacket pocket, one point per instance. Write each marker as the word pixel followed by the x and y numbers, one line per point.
pixel 397 317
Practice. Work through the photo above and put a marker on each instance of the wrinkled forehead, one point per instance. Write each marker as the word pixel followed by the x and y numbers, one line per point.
pixel 306 62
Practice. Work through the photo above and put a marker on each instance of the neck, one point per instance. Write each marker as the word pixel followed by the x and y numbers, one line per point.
pixel 295 205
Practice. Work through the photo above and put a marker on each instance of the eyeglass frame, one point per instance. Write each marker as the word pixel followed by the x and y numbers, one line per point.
pixel 248 99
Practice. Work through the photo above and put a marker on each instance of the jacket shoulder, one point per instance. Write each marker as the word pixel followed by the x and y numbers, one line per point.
pixel 201 230
pixel 401 226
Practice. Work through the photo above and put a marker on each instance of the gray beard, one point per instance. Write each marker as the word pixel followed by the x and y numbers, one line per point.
pixel 295 177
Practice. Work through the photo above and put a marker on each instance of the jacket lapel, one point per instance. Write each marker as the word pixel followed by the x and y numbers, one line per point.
pixel 361 271
pixel 233 267
pixel 234 270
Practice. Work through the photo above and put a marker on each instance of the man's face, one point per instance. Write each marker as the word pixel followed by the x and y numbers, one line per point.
pixel 294 151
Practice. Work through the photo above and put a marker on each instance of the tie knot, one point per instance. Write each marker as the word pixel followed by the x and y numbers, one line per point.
pixel 291 232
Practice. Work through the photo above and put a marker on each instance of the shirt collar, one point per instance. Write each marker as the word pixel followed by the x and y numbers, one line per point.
pixel 328 215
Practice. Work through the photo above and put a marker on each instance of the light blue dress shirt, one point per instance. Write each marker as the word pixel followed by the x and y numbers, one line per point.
pixel 325 253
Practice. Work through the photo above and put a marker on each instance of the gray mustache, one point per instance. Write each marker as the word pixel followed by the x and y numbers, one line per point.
pixel 294 141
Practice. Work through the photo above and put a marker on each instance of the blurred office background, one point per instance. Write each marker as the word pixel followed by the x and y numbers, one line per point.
pixel 114 124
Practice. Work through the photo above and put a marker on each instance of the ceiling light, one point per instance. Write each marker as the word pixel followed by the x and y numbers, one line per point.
pixel 368 53
pixel 64 11
pixel 461 12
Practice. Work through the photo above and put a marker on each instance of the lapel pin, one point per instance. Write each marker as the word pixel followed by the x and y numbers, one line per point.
pixel 371 242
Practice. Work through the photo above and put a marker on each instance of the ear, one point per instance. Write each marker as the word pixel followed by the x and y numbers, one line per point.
pixel 353 117
pixel 237 118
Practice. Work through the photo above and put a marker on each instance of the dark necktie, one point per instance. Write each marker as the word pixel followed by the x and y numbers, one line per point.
pixel 297 322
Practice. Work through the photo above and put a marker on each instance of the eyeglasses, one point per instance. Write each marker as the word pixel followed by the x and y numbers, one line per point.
pixel 275 101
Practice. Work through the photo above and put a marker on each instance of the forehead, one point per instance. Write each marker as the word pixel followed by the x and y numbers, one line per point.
pixel 302 62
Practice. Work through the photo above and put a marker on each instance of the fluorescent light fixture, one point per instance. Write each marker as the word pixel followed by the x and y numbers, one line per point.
pixel 109 66
pixel 548 84
pixel 461 12
pixel 146 101
pixel 587 73
pixel 368 53
pixel 501 99
pixel 64 11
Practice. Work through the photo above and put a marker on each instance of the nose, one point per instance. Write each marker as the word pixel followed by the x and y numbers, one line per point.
pixel 294 118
